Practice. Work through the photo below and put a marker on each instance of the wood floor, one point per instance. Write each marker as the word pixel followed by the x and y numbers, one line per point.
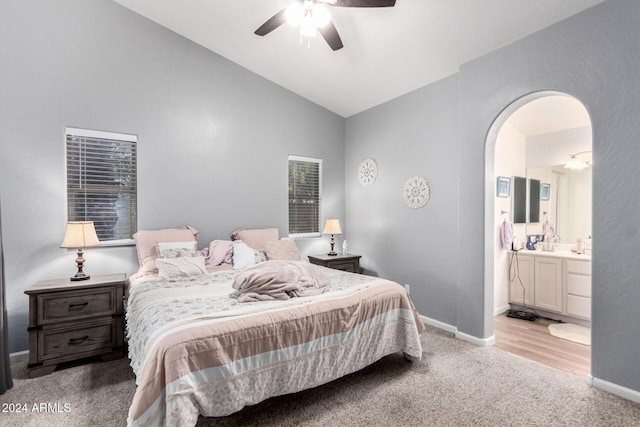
pixel 533 341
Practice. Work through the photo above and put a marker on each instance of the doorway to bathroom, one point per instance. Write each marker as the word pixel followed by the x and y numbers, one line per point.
pixel 540 226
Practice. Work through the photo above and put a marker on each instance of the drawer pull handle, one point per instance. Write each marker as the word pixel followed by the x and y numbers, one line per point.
pixel 81 305
pixel 73 341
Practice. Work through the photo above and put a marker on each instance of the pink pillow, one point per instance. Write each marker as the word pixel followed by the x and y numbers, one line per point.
pixel 256 238
pixel 282 249
pixel 147 244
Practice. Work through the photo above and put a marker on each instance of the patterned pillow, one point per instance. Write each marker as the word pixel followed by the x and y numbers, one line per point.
pixel 177 249
pixel 174 268
pixel 147 245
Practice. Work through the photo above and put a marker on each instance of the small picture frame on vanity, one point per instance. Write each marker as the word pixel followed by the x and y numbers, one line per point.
pixel 545 191
pixel 503 186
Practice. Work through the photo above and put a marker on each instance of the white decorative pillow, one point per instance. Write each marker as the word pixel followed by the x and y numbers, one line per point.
pixel 177 249
pixel 243 255
pixel 174 268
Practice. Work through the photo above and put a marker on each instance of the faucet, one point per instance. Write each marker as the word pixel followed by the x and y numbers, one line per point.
pixel 548 244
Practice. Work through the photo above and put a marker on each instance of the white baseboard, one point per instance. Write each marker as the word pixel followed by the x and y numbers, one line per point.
pixel 19 356
pixel 482 342
pixel 500 310
pixel 612 388
pixel 438 324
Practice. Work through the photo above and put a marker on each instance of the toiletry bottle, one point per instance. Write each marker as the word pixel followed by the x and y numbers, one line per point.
pixel 579 246
pixel 344 247
pixel 587 246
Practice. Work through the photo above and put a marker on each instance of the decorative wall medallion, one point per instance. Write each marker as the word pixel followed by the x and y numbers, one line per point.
pixel 416 192
pixel 367 172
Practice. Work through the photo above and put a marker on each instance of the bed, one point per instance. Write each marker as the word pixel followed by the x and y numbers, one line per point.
pixel 197 350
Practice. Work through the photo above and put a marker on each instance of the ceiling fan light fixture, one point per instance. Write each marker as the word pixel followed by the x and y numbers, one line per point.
pixel 307 27
pixel 320 15
pixel 294 13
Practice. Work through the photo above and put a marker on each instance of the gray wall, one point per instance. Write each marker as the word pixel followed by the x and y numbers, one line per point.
pixel 411 135
pixel 594 56
pixel 213 137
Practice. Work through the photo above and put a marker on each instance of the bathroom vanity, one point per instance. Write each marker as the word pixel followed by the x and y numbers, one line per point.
pixel 555 282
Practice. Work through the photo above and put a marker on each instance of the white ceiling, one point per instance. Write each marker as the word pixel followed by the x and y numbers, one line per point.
pixel 387 51
pixel 550 114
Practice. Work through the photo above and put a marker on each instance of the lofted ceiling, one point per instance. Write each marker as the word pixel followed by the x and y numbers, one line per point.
pixel 387 51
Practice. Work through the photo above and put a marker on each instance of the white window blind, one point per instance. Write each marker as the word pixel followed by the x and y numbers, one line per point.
pixel 102 181
pixel 305 177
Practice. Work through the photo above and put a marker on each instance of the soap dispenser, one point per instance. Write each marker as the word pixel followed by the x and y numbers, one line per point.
pixel 587 246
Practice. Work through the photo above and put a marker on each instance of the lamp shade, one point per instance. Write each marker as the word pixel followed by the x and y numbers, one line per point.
pixel 80 234
pixel 332 226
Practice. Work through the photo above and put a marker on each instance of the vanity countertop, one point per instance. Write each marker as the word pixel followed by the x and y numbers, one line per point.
pixel 557 254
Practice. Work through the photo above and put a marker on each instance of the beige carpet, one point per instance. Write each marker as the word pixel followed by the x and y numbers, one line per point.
pixel 571 332
pixel 455 384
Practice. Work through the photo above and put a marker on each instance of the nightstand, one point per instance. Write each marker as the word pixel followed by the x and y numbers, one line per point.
pixel 73 320
pixel 349 262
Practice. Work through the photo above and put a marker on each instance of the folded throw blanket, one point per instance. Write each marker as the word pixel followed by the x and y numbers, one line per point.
pixel 280 280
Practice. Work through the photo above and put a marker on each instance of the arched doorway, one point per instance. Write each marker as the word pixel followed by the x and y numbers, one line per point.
pixel 533 139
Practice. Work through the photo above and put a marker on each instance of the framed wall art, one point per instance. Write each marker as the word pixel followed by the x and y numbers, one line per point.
pixel 503 186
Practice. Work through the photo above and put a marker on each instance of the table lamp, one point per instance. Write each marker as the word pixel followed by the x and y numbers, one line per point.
pixel 79 235
pixel 332 226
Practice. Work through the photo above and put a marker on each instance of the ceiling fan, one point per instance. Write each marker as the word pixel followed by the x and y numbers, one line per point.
pixel 312 15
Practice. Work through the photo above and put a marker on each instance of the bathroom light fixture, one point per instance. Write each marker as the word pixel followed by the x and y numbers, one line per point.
pixel 332 226
pixel 577 164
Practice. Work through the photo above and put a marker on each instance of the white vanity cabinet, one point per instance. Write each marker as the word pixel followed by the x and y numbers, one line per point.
pixel 553 282
pixel 578 283
pixel 548 284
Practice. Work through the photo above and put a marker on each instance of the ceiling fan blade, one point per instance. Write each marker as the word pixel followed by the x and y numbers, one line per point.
pixel 272 23
pixel 365 3
pixel 331 36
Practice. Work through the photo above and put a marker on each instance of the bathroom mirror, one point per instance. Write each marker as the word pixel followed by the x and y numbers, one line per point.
pixel 525 200
pixel 568 206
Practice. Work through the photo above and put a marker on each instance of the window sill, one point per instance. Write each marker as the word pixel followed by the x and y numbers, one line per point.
pixel 304 236
pixel 117 243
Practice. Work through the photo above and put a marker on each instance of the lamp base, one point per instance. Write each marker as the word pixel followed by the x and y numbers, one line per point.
pixel 80 275
pixel 333 243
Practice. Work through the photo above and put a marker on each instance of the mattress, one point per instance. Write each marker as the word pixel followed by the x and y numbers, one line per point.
pixel 196 350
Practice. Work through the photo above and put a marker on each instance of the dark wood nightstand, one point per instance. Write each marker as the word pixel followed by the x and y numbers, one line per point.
pixel 349 262
pixel 73 320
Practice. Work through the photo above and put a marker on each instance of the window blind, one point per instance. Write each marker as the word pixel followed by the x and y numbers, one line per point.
pixel 102 181
pixel 304 195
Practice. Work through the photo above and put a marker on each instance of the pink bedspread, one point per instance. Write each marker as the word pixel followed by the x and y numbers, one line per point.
pixel 196 351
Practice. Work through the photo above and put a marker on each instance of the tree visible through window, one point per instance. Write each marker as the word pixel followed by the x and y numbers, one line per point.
pixel 304 195
pixel 102 181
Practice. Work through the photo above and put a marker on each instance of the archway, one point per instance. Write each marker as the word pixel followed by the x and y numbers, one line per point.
pixel 541 138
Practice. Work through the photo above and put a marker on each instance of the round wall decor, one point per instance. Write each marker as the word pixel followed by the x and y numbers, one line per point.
pixel 416 192
pixel 367 172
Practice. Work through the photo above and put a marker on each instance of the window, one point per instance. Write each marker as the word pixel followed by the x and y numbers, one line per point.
pixel 305 176
pixel 102 182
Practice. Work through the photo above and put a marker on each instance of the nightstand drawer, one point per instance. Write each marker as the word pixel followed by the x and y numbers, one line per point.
pixel 72 305
pixel 344 266
pixel 66 341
